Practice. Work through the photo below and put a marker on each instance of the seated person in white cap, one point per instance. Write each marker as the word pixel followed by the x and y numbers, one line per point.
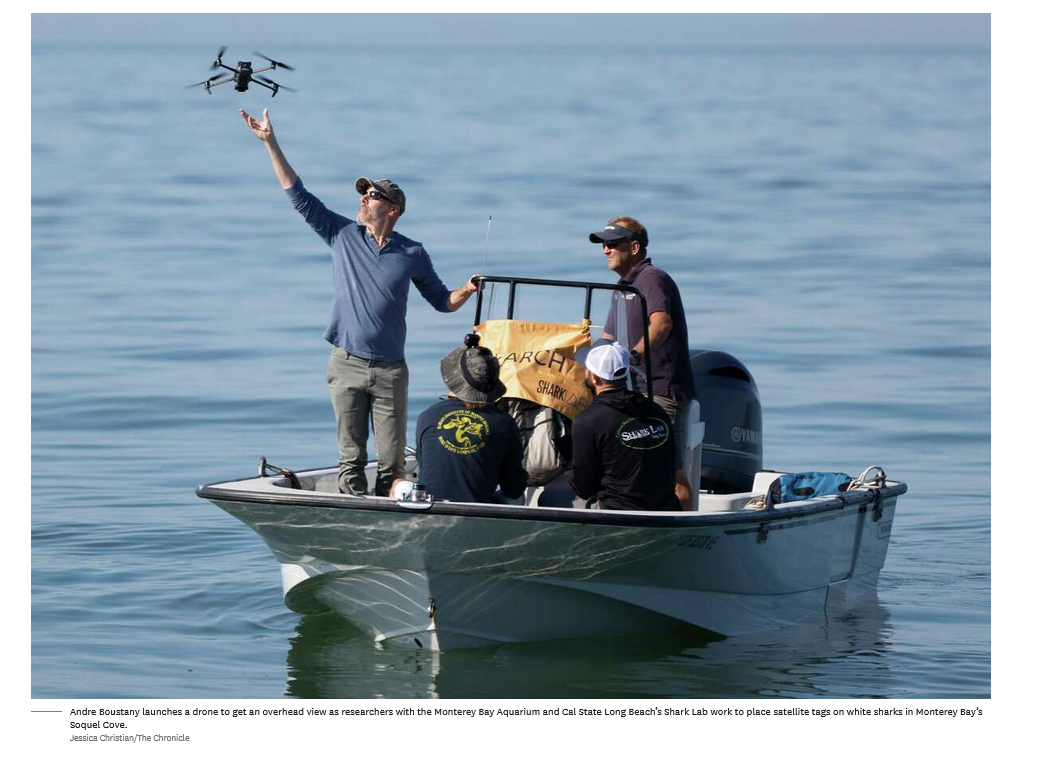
pixel 622 444
pixel 465 444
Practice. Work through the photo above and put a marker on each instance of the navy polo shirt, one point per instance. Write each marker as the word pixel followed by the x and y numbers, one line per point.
pixel 671 366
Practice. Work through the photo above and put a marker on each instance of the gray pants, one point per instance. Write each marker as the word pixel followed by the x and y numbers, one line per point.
pixel 365 391
pixel 677 411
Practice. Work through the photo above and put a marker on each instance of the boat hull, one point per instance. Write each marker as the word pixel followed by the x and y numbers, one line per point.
pixel 456 575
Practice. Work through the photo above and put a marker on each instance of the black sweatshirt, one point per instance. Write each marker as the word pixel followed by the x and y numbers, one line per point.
pixel 623 452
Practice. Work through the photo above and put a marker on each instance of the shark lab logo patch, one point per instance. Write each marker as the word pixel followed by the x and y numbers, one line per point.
pixel 463 432
pixel 643 434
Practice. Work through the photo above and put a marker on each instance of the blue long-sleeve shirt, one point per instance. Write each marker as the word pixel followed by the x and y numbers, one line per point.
pixel 370 283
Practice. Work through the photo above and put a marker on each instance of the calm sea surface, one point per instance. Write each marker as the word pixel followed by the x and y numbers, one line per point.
pixel 826 215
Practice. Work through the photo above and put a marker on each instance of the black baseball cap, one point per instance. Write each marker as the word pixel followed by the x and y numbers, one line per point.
pixel 614 232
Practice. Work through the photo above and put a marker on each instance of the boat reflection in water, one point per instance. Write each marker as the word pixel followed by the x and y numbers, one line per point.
pixel 848 657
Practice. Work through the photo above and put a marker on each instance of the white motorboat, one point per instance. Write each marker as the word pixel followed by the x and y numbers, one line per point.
pixel 446 574
pixel 441 574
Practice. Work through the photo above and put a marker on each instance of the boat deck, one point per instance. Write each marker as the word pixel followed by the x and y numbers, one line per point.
pixel 318 487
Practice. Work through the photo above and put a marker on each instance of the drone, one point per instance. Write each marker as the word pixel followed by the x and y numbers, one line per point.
pixel 244 74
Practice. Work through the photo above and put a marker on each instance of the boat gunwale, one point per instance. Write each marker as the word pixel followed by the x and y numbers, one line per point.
pixel 863 499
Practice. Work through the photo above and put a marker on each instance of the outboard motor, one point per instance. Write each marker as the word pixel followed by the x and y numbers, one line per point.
pixel 730 407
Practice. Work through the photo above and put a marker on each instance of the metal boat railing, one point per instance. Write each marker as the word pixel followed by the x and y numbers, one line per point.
pixel 588 288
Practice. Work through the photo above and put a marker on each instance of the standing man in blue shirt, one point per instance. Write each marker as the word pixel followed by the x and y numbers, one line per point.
pixel 372 268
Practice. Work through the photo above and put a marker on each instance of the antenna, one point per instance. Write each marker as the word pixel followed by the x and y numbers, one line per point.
pixel 488 230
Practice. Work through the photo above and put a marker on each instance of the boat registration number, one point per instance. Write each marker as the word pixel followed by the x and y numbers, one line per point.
pixel 699 542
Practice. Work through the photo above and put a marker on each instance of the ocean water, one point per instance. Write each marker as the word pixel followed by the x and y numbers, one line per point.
pixel 826 214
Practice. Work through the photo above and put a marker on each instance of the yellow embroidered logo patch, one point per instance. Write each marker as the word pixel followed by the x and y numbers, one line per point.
pixel 465 431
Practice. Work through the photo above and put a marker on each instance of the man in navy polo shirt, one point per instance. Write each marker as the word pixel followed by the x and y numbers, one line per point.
pixel 624 242
pixel 372 268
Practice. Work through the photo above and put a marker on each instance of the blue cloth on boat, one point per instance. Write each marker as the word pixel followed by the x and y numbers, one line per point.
pixel 370 283
pixel 802 486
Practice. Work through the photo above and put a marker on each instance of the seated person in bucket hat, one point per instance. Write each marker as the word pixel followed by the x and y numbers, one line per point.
pixel 622 444
pixel 465 444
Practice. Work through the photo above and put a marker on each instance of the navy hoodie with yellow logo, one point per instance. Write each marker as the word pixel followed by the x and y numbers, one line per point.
pixel 465 453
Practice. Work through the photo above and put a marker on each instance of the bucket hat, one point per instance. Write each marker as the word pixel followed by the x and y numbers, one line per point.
pixel 472 373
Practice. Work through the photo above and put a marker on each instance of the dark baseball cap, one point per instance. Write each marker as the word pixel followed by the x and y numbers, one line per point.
pixel 388 188
pixel 613 232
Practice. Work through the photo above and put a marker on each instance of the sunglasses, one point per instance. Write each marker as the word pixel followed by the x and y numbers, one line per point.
pixel 618 244
pixel 375 195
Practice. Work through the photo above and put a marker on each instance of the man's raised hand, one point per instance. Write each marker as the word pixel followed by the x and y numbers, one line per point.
pixel 263 130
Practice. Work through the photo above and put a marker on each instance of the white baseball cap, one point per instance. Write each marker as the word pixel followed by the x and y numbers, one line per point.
pixel 609 362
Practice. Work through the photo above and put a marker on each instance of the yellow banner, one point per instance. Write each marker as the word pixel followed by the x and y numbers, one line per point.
pixel 538 361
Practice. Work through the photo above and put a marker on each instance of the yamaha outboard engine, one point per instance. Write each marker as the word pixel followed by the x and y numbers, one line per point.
pixel 730 408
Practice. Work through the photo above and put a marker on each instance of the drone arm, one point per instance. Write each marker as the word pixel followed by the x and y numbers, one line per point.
pixel 274 90
pixel 265 69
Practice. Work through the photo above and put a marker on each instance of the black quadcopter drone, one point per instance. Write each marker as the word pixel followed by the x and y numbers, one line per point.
pixel 244 74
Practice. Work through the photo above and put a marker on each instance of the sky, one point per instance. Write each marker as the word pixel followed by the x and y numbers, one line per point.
pixel 889 30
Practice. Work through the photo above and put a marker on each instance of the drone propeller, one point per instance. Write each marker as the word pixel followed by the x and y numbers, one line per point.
pixel 217 61
pixel 273 82
pixel 276 63
pixel 208 81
